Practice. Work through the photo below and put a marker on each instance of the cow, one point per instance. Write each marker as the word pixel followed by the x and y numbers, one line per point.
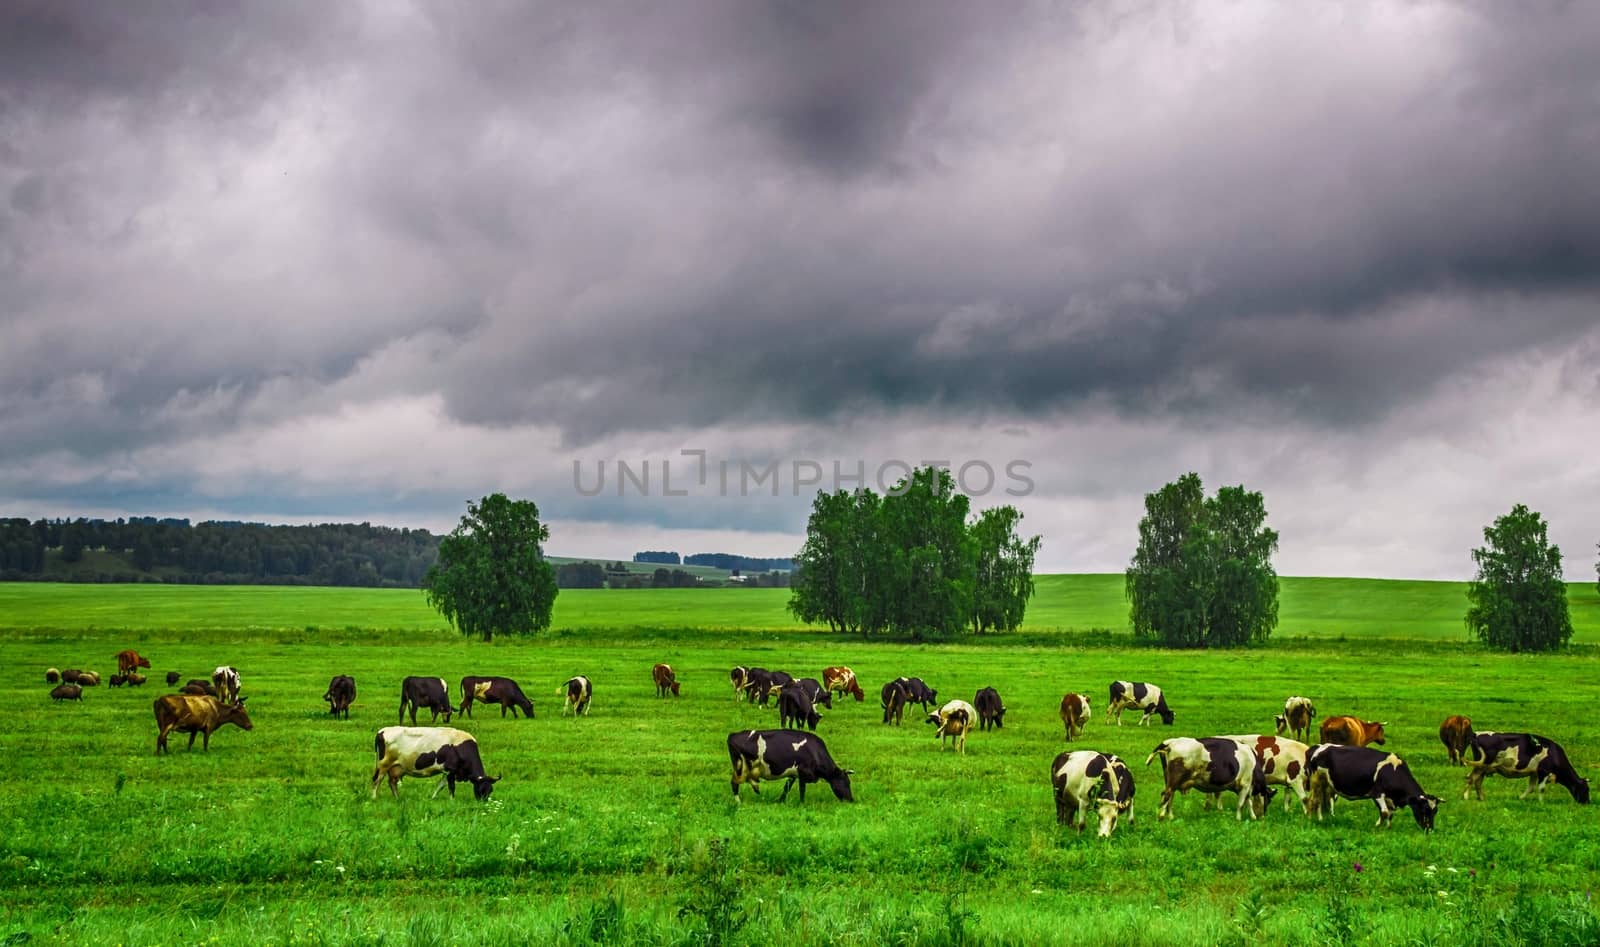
pixel 173 677
pixel 87 679
pixel 429 692
pixel 577 691
pixel 819 695
pixel 1211 765
pixel 1124 791
pixel 52 676
pixel 991 709
pixel 841 680
pixel 1541 759
pixel 196 715
pixel 129 662
pixel 63 692
pixel 954 720
pixel 1074 713
pixel 1147 697
pixel 226 680
pixel 918 692
pixel 1352 731
pixel 135 680
pixel 1085 779
pixel 665 680
pixel 796 708
pixel 427 752
pixel 1356 772
pixel 768 684
pixel 752 683
pixel 894 702
pixel 1282 760
pixel 794 755
pixel 495 690
pixel 70 676
pixel 1456 735
pixel 1298 713
pixel 195 687
pixel 341 694
pixel 740 678
pixel 116 680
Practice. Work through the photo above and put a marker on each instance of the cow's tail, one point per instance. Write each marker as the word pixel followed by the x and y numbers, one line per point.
pixel 1161 750
pixel 377 744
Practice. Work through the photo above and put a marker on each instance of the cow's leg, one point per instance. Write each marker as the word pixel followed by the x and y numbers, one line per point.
pixel 377 774
pixel 402 711
pixel 192 735
pixel 1244 803
pixel 1382 803
pixel 786 787
pixel 205 741
pixel 802 790
pixel 442 783
pixel 394 782
pixel 1164 811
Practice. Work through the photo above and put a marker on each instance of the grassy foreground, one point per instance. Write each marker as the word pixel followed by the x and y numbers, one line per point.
pixel 1311 607
pixel 620 828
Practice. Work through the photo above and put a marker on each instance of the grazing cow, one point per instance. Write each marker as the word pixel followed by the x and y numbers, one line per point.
pixel 428 752
pixel 578 691
pixel 1124 792
pixel 1074 713
pixel 740 678
pixel 70 676
pixel 136 680
pixel 955 720
pixel 818 694
pixel 129 662
pixel 87 679
pixel 1212 765
pixel 226 679
pixel 1298 713
pixel 1085 779
pixel 842 680
pixel 1541 759
pixel 991 709
pixel 173 677
pixel 1456 735
pixel 768 684
pixel 1282 760
pixel 63 692
pixel 196 687
pixel 341 694
pixel 495 690
pixel 1356 772
pixel 665 680
pixel 51 676
pixel 116 680
pixel 429 692
pixel 751 683
pixel 1147 697
pixel 796 708
pixel 195 715
pixel 1352 731
pixel 794 755
pixel 894 702
pixel 918 692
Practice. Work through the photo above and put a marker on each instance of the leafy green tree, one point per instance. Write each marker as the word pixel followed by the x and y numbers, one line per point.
pixel 1202 573
pixel 1003 571
pixel 931 569
pixel 491 576
pixel 1518 600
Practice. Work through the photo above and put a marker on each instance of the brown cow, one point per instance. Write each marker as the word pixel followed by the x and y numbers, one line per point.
pixel 1298 713
pixel 841 680
pixel 135 680
pixel 198 688
pixel 52 676
pixel 1456 735
pixel 665 680
pixel 129 661
pixel 173 677
pixel 86 679
pixel 63 692
pixel 1074 713
pixel 192 715
pixel 1352 731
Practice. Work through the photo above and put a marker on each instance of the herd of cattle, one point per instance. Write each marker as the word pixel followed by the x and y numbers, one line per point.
pixel 1253 766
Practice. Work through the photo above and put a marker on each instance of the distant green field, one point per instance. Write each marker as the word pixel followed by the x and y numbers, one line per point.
pixel 1310 607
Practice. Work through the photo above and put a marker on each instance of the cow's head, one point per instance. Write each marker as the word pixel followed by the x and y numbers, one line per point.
pixel 840 782
pixel 855 689
pixel 935 719
pixel 1579 787
pixel 674 688
pixel 825 698
pixel 1166 713
pixel 1283 723
pixel 1423 809
pixel 933 695
pixel 143 662
pixel 482 786
pixel 1108 810
pixel 1086 707
pixel 1374 731
pixel 235 713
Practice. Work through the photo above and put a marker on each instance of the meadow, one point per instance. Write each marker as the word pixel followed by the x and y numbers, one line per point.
pixel 620 827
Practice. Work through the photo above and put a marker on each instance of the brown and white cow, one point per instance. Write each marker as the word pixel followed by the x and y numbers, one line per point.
pixel 1085 779
pixel 1541 759
pixel 1356 772
pixel 577 690
pixel 1074 713
pixel 1283 762
pixel 841 680
pixel 1211 765
pixel 954 720
pixel 1456 735
pixel 427 752
pixel 129 661
pixel 1298 714
pixel 1352 731
pixel 226 681
pixel 666 681
pixel 1147 697
pixel 991 709
pixel 195 715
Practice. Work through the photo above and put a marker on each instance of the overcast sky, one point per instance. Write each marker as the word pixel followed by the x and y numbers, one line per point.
pixel 313 261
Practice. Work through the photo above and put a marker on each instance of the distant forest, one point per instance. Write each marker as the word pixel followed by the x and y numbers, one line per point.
pixel 717 560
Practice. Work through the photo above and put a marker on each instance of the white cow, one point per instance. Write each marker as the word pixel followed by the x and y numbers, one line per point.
pixel 955 719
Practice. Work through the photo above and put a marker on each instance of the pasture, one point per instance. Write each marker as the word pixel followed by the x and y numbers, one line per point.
pixel 620 827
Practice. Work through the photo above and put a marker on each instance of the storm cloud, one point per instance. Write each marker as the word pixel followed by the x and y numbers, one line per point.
pixel 336 260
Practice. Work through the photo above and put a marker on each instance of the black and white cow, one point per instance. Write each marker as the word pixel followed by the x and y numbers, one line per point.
pixel 1211 765
pixel 1282 760
pixel 341 694
pixel 1358 772
pixel 226 680
pixel 1085 779
pixel 991 709
pixel 767 687
pixel 578 691
pixel 430 692
pixel 794 755
pixel 1541 759
pixel 495 690
pixel 819 695
pixel 796 709
pixel 1124 788
pixel 1147 697
pixel 918 692
pixel 428 752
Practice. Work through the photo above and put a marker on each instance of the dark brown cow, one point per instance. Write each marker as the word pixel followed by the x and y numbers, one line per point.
pixel 1351 731
pixel 195 687
pixel 52 676
pixel 136 680
pixel 894 702
pixel 195 715
pixel 173 677
pixel 1456 735
pixel 991 709
pixel 116 680
pixel 666 681
pixel 63 692
pixel 129 661
pixel 341 694
pixel 1074 713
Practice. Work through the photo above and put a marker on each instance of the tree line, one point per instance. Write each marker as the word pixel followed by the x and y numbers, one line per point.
pixel 716 560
